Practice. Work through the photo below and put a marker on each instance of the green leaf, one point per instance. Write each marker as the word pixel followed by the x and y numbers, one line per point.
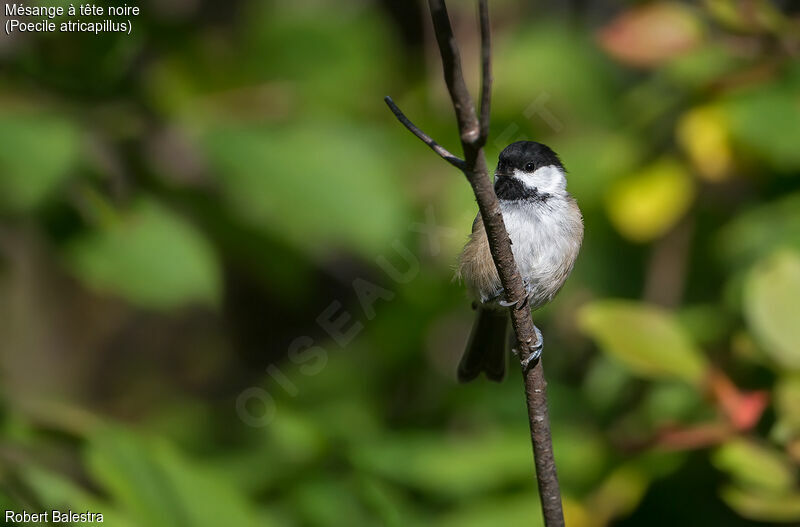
pixel 317 187
pixel 760 231
pixel 158 487
pixel 466 466
pixel 645 338
pixel 148 256
pixel 762 506
pixel 753 465
pixel 450 467
pixel 787 407
pixel 37 153
pixel 767 121
pixel 772 304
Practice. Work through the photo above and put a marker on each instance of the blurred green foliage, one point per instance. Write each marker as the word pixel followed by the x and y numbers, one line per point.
pixel 190 214
pixel 39 152
pixel 148 256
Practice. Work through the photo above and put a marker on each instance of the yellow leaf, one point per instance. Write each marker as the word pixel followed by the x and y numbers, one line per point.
pixel 703 134
pixel 576 514
pixel 645 205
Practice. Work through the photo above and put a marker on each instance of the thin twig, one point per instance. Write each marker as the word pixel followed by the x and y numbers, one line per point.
pixel 473 136
pixel 486 69
pixel 425 138
pixel 468 124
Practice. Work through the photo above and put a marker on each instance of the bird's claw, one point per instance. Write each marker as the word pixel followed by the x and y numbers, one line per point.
pixel 506 303
pixel 519 304
pixel 534 351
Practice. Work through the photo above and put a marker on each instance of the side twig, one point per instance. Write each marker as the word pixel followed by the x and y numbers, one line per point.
pixel 425 138
pixel 473 133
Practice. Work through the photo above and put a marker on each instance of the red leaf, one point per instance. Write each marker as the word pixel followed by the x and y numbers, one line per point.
pixel 651 34
pixel 742 409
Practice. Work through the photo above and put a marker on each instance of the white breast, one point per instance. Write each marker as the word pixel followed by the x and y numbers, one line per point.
pixel 545 239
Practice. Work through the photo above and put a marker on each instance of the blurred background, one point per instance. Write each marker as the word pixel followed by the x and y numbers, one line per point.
pixel 226 287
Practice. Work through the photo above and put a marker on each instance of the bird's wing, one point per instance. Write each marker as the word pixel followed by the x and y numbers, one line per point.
pixel 476 267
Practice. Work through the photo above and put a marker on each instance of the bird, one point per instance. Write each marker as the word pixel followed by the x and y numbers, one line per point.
pixel 545 226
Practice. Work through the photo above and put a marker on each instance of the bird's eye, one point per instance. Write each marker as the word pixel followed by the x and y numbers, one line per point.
pixel 529 167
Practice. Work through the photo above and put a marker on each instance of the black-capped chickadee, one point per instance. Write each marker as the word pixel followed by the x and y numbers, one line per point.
pixel 546 230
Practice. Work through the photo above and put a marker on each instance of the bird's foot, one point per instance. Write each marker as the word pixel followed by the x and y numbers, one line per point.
pixel 534 351
pixel 519 304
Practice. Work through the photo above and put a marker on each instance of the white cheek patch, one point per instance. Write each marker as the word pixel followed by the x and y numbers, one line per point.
pixel 549 179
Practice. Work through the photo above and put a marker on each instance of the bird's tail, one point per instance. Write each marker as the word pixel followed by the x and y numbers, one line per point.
pixel 486 349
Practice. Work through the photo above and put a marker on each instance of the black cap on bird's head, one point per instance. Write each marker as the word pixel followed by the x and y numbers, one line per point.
pixel 528 170
pixel 526 156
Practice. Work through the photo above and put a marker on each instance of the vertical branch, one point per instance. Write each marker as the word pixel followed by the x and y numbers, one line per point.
pixel 473 133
